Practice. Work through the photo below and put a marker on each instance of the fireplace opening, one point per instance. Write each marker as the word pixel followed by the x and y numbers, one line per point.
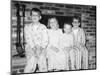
pixel 61 19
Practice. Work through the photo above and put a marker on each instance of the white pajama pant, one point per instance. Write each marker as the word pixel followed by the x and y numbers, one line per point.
pixel 32 61
pixel 84 52
pixel 56 61
pixel 70 59
pixel 74 58
pixel 82 58
pixel 77 58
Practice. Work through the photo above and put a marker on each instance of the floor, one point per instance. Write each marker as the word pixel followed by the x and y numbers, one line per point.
pixel 18 63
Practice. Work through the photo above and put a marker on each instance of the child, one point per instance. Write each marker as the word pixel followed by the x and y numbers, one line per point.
pixel 56 57
pixel 67 44
pixel 36 42
pixel 80 42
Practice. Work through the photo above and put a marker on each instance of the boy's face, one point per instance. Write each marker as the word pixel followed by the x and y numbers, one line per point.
pixel 35 16
pixel 53 24
pixel 67 28
pixel 76 23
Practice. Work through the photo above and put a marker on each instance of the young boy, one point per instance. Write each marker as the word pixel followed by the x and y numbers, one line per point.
pixel 67 44
pixel 80 42
pixel 36 42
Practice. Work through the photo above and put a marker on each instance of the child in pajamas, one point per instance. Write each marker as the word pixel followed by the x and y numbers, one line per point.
pixel 67 44
pixel 80 43
pixel 56 57
pixel 36 38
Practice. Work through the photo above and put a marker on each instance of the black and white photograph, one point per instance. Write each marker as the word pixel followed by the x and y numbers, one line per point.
pixel 52 37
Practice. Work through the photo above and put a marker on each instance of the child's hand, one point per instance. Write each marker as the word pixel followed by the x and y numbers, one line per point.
pixel 37 50
pixel 33 51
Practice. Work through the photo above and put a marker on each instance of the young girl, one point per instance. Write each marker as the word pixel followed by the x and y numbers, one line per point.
pixel 67 44
pixel 56 57
pixel 80 42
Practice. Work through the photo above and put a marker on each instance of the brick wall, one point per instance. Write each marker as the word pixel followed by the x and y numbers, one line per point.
pixel 87 14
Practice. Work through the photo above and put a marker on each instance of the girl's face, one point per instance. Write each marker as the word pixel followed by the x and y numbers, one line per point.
pixel 67 28
pixel 53 23
pixel 75 23
pixel 35 16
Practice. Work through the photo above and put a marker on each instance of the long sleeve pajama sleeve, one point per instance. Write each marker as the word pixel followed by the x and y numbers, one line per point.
pixel 83 39
pixel 28 38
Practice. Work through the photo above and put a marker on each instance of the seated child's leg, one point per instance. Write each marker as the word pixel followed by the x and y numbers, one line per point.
pixel 78 58
pixel 31 65
pixel 67 60
pixel 42 63
pixel 85 58
pixel 50 65
pixel 72 59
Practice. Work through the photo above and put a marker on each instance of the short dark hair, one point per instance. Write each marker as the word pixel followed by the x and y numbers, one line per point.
pixel 36 10
pixel 76 17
